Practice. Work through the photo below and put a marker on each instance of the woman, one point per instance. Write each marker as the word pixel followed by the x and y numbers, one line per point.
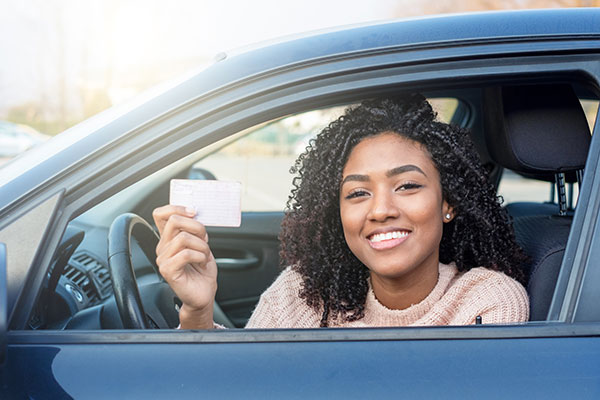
pixel 391 222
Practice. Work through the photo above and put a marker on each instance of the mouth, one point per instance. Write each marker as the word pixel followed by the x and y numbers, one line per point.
pixel 387 240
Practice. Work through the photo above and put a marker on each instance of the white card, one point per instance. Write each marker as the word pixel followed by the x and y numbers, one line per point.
pixel 217 203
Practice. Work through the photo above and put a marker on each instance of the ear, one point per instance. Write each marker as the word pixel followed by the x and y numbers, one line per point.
pixel 447 212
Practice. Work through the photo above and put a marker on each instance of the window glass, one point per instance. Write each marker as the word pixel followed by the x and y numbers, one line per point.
pixel 514 187
pixel 590 107
pixel 261 159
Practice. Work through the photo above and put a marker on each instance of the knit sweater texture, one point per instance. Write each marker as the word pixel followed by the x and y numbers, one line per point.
pixel 457 299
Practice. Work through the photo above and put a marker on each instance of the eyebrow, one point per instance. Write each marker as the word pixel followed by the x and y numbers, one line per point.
pixel 392 172
pixel 402 169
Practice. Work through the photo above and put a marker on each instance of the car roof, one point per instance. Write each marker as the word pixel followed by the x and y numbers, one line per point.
pixel 442 30
pixel 448 28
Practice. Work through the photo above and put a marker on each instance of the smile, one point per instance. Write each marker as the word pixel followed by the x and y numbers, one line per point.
pixel 386 240
pixel 380 237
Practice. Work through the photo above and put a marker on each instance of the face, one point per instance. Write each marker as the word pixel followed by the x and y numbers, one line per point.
pixel 391 207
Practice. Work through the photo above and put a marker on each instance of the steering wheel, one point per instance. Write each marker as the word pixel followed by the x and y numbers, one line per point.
pixel 162 303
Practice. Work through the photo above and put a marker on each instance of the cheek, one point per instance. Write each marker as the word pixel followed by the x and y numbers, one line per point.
pixel 349 219
pixel 352 218
pixel 435 224
pixel 424 209
pixel 426 212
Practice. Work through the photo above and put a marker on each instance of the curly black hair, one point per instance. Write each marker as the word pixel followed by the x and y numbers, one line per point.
pixel 335 282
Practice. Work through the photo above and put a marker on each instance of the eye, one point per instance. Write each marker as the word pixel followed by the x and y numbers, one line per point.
pixel 408 186
pixel 356 193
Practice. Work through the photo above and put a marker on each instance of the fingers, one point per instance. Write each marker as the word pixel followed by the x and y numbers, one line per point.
pixel 180 243
pixel 161 214
pixel 177 224
pixel 184 249
pixel 174 268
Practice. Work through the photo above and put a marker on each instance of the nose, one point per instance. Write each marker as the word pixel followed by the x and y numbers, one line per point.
pixel 383 207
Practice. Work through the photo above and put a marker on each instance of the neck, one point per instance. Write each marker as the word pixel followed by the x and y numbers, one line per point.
pixel 399 293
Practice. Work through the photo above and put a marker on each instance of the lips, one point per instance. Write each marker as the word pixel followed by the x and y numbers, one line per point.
pixel 387 240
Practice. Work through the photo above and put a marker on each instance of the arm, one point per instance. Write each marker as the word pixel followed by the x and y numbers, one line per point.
pixel 187 264
pixel 498 299
pixel 280 306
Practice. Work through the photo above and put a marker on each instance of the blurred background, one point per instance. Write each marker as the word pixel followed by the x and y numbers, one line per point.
pixel 66 60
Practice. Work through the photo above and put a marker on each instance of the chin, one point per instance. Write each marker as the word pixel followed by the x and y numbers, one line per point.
pixel 391 270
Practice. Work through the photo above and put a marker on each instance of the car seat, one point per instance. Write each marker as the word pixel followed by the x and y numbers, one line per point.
pixel 539 131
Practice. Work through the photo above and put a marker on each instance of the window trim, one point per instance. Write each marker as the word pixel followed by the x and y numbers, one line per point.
pixel 528 330
pixel 573 297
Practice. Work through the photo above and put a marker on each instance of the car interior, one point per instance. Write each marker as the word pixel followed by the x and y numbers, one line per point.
pixel 532 137
pixel 526 130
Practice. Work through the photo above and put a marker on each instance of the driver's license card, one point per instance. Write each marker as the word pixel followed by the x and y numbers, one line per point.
pixel 217 203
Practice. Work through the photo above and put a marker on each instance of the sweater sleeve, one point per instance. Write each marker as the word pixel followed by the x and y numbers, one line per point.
pixel 280 306
pixel 497 298
pixel 277 306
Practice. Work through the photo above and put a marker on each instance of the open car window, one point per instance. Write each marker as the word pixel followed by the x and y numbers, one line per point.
pixel 259 157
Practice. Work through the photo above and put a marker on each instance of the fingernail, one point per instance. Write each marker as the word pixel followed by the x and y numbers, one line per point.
pixel 190 211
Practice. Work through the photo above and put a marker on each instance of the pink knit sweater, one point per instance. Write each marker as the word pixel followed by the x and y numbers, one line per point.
pixel 457 299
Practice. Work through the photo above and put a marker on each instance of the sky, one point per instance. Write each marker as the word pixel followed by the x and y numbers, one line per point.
pixel 59 54
pixel 219 25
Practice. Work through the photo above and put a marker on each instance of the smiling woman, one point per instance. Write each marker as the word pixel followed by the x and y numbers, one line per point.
pixel 383 194
pixel 392 217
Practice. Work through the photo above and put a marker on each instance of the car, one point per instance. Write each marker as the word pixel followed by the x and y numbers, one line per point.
pixel 75 220
pixel 17 138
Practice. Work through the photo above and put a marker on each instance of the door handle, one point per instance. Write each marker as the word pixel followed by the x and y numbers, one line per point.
pixel 236 263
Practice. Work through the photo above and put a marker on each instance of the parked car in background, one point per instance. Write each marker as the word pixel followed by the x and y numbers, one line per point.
pixel 17 138
pixel 515 80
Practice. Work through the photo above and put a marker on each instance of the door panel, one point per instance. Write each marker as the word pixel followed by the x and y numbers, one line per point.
pixel 465 368
pixel 248 262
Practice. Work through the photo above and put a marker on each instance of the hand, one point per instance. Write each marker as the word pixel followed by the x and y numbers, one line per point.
pixel 187 264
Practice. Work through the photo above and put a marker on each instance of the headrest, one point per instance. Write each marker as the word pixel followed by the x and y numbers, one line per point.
pixel 536 129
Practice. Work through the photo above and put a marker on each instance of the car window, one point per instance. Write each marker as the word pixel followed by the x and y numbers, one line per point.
pixel 590 107
pixel 261 159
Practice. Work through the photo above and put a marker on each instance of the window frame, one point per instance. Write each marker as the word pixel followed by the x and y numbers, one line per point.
pixel 170 142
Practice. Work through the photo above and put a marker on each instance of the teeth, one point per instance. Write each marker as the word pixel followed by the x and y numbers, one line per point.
pixel 388 236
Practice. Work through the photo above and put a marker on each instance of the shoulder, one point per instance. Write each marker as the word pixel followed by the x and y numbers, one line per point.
pixel 287 279
pixel 496 297
pixel 485 277
pixel 280 306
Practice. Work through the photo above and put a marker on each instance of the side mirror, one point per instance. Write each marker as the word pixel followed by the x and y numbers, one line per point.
pixel 3 303
pixel 201 174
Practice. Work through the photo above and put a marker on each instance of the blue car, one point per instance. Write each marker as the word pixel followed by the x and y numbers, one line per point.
pixel 84 314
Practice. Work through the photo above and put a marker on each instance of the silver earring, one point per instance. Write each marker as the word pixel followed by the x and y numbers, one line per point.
pixel 448 216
